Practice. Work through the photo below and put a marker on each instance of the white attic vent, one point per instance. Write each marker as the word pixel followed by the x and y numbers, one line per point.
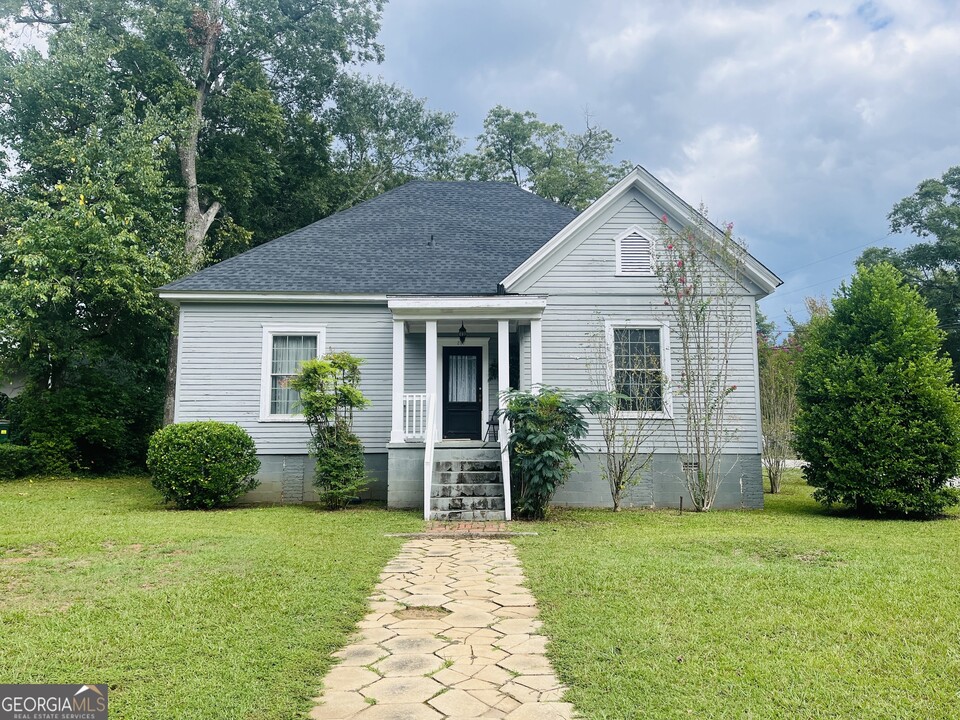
pixel 634 254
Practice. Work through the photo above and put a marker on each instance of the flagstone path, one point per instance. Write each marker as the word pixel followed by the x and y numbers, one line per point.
pixel 451 633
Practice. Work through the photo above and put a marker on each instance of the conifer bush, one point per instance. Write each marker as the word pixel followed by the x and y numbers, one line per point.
pixel 878 421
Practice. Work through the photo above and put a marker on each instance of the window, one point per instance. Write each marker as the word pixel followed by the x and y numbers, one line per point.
pixel 284 350
pixel 634 252
pixel 640 357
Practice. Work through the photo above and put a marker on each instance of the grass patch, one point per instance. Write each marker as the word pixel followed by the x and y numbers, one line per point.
pixel 227 614
pixel 793 612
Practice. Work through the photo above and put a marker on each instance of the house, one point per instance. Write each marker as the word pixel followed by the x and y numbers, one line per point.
pixel 452 292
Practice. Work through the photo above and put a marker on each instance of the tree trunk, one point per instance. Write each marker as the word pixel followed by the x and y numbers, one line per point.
pixel 169 401
pixel 195 220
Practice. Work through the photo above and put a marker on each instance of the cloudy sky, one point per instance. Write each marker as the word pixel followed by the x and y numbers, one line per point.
pixel 801 121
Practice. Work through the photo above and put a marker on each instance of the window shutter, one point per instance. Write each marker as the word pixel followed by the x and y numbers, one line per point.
pixel 635 256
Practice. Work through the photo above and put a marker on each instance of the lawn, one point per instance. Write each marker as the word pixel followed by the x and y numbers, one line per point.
pixel 792 612
pixel 228 614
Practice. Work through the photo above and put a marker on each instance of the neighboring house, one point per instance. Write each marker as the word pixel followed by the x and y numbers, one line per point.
pixel 452 292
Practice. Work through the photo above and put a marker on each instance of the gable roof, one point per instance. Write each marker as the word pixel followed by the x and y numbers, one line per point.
pixel 422 238
pixel 640 179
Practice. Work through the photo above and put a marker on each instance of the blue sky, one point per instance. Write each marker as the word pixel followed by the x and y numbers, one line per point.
pixel 801 122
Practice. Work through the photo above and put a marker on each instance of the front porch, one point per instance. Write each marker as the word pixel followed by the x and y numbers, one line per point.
pixel 452 357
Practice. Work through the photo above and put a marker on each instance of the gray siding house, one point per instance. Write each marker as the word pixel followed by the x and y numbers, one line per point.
pixel 452 292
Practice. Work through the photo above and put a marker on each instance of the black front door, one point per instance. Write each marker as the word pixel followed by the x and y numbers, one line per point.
pixel 462 393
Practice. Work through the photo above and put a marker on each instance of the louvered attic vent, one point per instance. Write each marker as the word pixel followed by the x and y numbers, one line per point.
pixel 634 255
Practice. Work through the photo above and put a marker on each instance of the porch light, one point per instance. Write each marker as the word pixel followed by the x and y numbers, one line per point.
pixel 462 334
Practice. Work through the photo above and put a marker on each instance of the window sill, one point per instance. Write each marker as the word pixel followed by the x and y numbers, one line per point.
pixel 282 419
pixel 648 415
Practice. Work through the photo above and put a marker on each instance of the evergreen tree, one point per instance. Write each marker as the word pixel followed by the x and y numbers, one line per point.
pixel 878 422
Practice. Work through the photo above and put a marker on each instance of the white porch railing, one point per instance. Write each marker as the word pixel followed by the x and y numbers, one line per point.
pixel 429 438
pixel 415 415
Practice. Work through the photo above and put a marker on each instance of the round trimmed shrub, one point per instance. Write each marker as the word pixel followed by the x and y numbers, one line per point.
pixel 202 465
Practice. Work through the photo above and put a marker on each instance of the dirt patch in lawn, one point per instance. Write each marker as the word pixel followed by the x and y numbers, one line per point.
pixel 421 612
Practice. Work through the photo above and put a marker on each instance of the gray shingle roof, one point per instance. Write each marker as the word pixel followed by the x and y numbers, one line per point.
pixel 480 232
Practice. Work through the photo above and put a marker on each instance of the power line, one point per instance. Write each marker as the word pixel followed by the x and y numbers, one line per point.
pixel 824 259
pixel 844 252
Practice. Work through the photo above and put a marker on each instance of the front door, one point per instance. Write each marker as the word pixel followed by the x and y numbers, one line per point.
pixel 462 393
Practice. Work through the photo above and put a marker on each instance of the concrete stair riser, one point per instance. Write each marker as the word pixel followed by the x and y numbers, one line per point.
pixel 467 477
pixel 468 515
pixel 467 503
pixel 467 466
pixel 467 490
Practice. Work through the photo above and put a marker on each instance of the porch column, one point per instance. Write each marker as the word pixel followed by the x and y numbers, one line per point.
pixel 432 362
pixel 536 356
pixel 503 382
pixel 503 359
pixel 396 429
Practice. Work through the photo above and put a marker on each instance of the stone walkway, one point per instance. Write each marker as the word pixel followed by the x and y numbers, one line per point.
pixel 452 633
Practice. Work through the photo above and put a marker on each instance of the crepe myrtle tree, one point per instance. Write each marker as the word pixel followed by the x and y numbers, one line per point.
pixel 778 402
pixel 625 428
pixel 699 269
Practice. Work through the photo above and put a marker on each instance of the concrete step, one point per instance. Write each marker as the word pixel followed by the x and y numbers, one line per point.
pixel 454 515
pixel 466 477
pixel 468 465
pixel 467 490
pixel 466 503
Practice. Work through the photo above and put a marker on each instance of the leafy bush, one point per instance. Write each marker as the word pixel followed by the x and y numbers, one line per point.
pixel 329 395
pixel 341 474
pixel 16 461
pixel 878 421
pixel 544 433
pixel 99 420
pixel 202 465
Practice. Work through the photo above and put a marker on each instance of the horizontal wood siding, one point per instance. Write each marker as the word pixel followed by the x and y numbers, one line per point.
pixel 570 327
pixel 221 351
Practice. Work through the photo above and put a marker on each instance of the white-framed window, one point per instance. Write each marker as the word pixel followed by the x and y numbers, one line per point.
pixel 284 350
pixel 635 252
pixel 639 371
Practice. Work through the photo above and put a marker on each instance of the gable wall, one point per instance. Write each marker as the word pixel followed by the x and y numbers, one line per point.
pixel 584 291
pixel 221 354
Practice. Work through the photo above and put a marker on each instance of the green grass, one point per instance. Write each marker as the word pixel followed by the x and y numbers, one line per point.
pixel 792 612
pixel 227 614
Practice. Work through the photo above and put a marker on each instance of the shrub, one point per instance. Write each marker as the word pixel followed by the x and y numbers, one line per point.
pixel 202 465
pixel 878 421
pixel 544 432
pixel 329 389
pixel 341 474
pixel 99 422
pixel 17 461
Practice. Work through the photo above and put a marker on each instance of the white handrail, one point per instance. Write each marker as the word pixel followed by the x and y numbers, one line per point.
pixel 429 442
pixel 504 437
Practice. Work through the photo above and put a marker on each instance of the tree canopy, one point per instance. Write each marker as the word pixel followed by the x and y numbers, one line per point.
pixel 569 168
pixel 147 138
pixel 933 265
